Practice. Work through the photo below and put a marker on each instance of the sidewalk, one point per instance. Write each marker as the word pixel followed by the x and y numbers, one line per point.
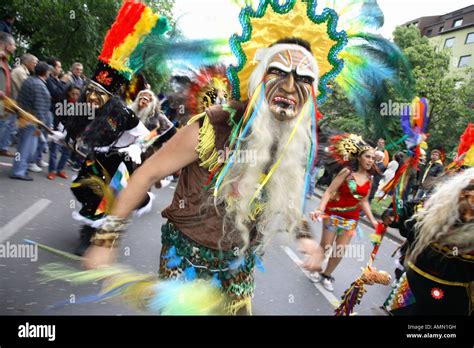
pixel 391 232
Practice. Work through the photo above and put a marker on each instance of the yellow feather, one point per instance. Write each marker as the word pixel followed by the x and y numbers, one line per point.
pixel 143 27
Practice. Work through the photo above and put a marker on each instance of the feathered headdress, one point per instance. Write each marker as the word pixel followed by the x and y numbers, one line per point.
pixel 340 36
pixel 414 121
pixel 465 154
pixel 347 147
pixel 134 22
pixel 346 53
pixel 205 86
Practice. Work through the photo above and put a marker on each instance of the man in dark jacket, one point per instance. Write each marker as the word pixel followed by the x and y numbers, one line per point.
pixel 432 170
pixel 56 87
pixel 34 97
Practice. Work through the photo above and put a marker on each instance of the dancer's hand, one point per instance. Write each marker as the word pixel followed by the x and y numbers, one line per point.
pixel 316 215
pixel 97 256
pixel 57 136
pixel 314 254
pixel 374 223
pixel 134 152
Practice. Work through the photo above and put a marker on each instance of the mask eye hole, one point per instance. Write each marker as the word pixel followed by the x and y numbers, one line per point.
pixel 305 79
pixel 276 71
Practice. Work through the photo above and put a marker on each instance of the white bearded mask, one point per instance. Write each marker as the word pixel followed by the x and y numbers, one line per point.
pixel 266 142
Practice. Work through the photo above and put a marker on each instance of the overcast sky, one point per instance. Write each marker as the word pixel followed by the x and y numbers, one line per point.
pixel 218 18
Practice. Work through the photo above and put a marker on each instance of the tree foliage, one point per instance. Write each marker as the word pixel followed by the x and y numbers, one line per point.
pixel 450 96
pixel 340 114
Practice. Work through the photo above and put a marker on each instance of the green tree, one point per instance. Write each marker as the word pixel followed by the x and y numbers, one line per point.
pixel 71 30
pixel 450 97
pixel 339 114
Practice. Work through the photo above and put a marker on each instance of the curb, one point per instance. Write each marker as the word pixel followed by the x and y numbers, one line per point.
pixel 391 232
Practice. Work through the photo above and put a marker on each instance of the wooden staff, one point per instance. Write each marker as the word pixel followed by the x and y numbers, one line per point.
pixel 24 117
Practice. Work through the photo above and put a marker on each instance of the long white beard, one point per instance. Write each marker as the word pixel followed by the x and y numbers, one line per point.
pixel 284 191
pixel 144 113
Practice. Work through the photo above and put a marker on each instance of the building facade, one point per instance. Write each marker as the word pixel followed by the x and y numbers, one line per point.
pixel 454 31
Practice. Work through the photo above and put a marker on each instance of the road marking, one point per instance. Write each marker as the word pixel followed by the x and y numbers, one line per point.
pixel 6 164
pixel 328 295
pixel 22 219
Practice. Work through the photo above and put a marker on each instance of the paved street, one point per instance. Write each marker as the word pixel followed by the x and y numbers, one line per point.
pixel 41 211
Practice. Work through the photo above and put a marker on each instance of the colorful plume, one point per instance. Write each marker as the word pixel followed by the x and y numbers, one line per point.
pixel 134 22
pixel 465 154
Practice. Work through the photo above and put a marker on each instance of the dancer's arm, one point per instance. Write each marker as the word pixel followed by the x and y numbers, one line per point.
pixel 177 153
pixel 366 207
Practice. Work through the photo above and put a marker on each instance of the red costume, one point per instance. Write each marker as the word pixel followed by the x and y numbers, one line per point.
pixel 347 201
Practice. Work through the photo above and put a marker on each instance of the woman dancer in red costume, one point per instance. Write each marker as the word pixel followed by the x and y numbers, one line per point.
pixel 340 205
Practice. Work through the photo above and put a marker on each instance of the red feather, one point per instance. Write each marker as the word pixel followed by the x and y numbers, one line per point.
pixel 335 139
pixel 393 183
pixel 128 16
pixel 203 81
pixel 466 140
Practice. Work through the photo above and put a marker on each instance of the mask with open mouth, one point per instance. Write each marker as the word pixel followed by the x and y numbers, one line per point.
pixel 288 81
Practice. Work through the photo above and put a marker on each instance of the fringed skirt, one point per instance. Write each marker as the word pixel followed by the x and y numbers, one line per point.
pixel 183 258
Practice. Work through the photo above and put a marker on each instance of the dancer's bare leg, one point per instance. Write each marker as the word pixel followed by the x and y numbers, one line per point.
pixel 341 242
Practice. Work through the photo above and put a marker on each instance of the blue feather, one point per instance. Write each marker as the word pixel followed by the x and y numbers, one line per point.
pixel 426 118
pixel 215 281
pixel 174 262
pixel 237 263
pixel 371 14
pixel 88 298
pixel 259 263
pixel 171 253
pixel 190 274
pixel 405 122
pixel 162 53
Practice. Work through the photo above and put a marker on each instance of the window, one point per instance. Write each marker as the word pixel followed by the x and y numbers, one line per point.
pixel 441 29
pixel 464 61
pixel 449 42
pixel 429 32
pixel 457 23
pixel 470 38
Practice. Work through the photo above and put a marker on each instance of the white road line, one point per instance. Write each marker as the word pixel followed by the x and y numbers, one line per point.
pixel 6 164
pixel 22 219
pixel 328 295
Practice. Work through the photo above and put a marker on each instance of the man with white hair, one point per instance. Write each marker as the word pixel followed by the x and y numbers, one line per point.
pixel 75 74
pixel 214 232
pixel 147 107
